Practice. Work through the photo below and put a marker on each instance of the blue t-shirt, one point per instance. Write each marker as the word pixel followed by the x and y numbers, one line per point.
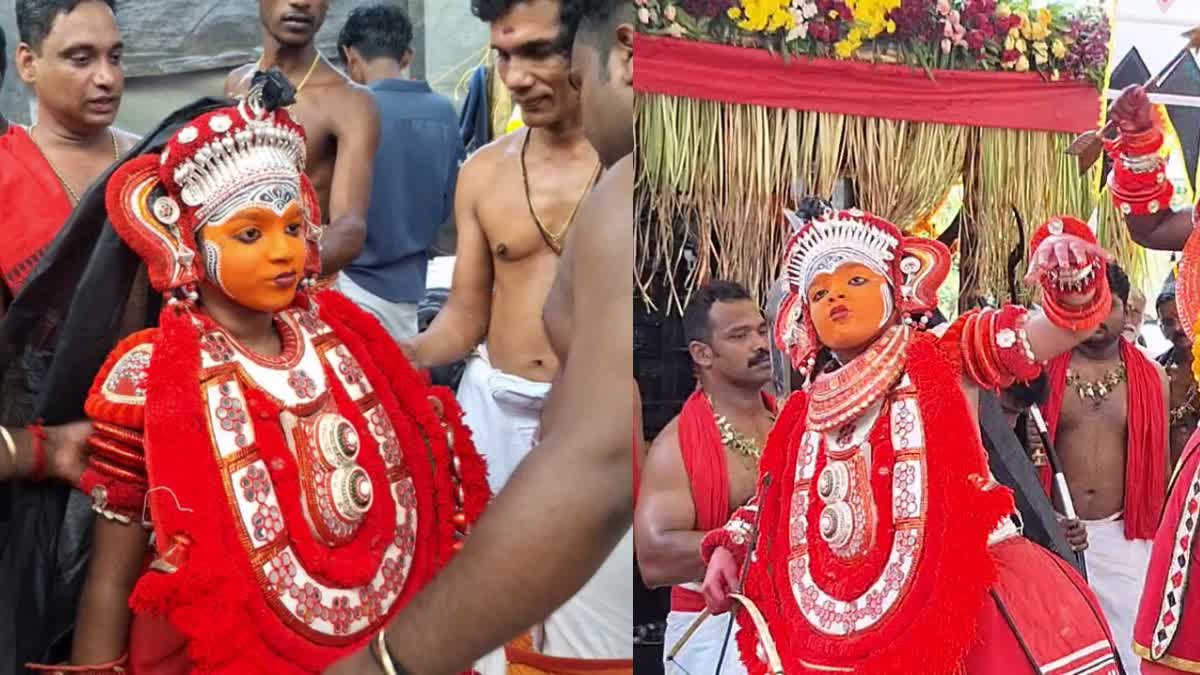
pixel 412 191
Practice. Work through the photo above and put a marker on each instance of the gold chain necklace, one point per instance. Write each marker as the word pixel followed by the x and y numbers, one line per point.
pixel 747 447
pixel 553 239
pixel 58 174
pixel 1096 392
pixel 1185 410
pixel 311 68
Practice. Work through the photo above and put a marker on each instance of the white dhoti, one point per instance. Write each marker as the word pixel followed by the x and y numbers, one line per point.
pixel 503 412
pixel 699 656
pixel 1116 571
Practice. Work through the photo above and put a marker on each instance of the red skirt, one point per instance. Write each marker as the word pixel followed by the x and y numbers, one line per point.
pixel 1042 618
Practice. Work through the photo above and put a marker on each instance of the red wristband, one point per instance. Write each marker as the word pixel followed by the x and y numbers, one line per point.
pixel 39 450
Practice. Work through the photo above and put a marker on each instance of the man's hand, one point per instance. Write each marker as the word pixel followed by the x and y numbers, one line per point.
pixel 67 451
pixel 1076 533
pixel 1132 111
pixel 720 580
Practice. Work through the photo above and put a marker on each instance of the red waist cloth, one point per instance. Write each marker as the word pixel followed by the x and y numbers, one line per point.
pixel 1171 599
pixel 1145 463
pixel 1045 614
pixel 35 206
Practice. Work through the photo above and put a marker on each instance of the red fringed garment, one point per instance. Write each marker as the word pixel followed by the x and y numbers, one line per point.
pixel 250 573
pixel 922 590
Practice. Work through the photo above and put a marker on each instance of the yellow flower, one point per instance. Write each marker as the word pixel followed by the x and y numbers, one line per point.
pixel 734 13
pixel 1044 17
pixel 1003 11
pixel 1058 49
pixel 1055 76
pixel 1041 53
pixel 891 26
pixel 1022 64
pixel 1022 46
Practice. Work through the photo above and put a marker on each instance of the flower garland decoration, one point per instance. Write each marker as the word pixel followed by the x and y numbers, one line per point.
pixel 1056 42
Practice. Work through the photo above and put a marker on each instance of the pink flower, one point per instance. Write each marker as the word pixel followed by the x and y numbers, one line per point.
pixel 975 39
pixel 669 13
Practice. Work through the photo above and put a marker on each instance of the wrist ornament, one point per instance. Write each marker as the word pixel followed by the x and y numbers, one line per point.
pixel 1138 182
pixel 114 667
pixel 38 434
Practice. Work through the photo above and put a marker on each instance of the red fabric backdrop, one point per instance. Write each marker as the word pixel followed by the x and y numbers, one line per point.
pixel 755 76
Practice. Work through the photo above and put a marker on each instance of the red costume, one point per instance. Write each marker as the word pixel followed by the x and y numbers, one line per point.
pixel 882 543
pixel 297 501
pixel 35 206
pixel 1167 632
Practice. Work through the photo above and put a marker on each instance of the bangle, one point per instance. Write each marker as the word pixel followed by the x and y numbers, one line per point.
pixel 379 650
pixel 39 450
pixel 12 446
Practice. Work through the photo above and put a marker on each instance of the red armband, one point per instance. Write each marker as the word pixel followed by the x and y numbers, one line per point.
pixel 1138 182
pixel 39 450
pixel 734 536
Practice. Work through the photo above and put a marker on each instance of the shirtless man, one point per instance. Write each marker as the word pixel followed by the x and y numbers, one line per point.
pixel 1184 405
pixel 694 479
pixel 515 201
pixel 339 117
pixel 1108 418
pixel 572 499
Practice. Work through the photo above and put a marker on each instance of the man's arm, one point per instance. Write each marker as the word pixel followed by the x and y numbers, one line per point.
pixel 667 544
pixel 462 324
pixel 102 630
pixel 571 500
pixel 1164 231
pixel 357 127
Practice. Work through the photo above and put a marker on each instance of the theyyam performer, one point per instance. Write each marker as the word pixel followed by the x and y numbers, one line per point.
pixel 1166 634
pixel 300 479
pixel 881 544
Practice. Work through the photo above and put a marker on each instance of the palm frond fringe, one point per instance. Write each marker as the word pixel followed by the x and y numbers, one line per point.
pixel 713 179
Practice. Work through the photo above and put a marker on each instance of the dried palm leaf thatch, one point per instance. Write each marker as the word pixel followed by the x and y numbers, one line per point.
pixel 1025 170
pixel 714 178
pixel 903 170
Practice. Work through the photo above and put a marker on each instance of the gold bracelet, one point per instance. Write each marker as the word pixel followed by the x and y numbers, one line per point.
pixel 381 653
pixel 12 446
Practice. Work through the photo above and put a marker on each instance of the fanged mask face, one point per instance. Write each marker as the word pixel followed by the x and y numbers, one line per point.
pixel 256 255
pixel 850 306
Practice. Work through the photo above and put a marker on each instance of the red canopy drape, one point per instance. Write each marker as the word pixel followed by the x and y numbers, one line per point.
pixel 757 77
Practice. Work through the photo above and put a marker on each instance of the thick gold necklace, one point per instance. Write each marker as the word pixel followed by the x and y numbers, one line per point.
pixel 746 447
pixel 553 239
pixel 1097 391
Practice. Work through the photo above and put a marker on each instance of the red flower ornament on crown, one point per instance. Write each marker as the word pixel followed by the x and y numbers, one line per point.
pixel 251 154
pixel 914 266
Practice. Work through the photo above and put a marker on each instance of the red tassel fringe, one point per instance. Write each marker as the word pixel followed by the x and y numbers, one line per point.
pixel 931 629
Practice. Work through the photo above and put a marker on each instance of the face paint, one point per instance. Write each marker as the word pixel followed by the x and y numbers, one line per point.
pixel 849 306
pixel 256 255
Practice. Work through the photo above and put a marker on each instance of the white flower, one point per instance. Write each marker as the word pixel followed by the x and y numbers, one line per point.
pixel 644 15
pixel 669 13
pixel 808 9
pixel 675 30
pixel 800 30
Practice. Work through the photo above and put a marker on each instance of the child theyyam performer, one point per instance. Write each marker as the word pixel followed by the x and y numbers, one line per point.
pixel 882 545
pixel 275 480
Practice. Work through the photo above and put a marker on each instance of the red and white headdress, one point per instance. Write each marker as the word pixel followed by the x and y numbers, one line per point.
pixel 251 154
pixel 915 268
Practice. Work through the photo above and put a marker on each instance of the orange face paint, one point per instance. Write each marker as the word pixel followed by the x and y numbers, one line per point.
pixel 256 256
pixel 849 306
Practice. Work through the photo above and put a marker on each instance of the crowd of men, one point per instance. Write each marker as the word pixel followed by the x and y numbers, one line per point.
pixel 542 217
